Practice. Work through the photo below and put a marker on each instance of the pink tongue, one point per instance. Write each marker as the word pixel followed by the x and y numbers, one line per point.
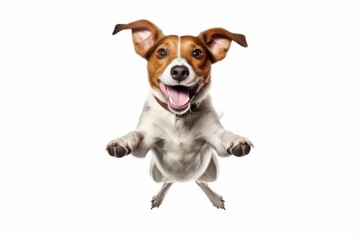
pixel 179 98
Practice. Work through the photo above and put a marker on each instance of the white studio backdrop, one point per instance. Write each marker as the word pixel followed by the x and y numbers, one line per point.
pixel 67 87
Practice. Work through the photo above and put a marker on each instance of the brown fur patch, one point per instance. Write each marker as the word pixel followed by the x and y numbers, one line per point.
pixel 202 67
pixel 156 67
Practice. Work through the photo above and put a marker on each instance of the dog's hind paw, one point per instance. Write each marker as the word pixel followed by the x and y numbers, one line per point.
pixel 218 201
pixel 156 201
pixel 214 198
pixel 159 197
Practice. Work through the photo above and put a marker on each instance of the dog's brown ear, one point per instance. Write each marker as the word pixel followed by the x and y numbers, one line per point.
pixel 144 34
pixel 218 41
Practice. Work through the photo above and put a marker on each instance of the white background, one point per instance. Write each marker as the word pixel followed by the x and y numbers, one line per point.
pixel 68 87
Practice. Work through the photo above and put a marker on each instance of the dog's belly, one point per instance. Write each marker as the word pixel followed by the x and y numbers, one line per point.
pixel 180 161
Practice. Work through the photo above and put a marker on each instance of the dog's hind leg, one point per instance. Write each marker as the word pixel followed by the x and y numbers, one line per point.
pixel 211 172
pixel 214 198
pixel 159 197
pixel 210 175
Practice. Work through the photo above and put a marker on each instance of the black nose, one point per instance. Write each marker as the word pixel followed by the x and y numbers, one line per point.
pixel 179 73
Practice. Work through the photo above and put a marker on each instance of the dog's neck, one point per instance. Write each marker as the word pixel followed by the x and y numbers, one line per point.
pixel 193 107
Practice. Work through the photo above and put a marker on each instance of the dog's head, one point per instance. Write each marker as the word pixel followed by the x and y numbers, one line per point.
pixel 179 66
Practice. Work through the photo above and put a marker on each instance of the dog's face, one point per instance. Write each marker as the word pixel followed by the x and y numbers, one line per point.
pixel 179 66
pixel 179 71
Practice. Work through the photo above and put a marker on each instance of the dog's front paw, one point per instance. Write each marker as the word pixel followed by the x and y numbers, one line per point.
pixel 240 147
pixel 118 148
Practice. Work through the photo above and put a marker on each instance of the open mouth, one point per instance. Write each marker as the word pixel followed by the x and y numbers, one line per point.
pixel 178 96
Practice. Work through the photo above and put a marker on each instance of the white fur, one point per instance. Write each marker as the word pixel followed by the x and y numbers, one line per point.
pixel 184 146
pixel 179 48
pixel 178 144
pixel 167 79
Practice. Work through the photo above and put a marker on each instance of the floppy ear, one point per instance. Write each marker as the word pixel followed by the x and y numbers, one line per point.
pixel 144 34
pixel 218 41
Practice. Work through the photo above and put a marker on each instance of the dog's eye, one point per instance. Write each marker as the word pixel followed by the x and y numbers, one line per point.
pixel 161 53
pixel 197 53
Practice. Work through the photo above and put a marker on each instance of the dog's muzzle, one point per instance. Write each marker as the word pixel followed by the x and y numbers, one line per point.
pixel 178 96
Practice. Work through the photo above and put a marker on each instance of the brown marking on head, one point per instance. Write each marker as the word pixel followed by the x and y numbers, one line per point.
pixel 198 56
pixel 156 63
pixel 197 53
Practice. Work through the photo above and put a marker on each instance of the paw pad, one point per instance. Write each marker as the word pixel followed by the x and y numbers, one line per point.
pixel 118 150
pixel 240 149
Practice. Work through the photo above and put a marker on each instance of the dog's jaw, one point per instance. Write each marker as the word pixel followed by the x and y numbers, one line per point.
pixel 196 95
pixel 178 96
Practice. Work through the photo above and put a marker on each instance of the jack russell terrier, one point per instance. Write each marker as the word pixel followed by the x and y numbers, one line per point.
pixel 178 122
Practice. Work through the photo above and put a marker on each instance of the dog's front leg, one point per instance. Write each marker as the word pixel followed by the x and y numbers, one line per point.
pixel 135 142
pixel 226 142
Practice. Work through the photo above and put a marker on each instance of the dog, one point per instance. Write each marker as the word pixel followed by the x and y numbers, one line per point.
pixel 178 122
